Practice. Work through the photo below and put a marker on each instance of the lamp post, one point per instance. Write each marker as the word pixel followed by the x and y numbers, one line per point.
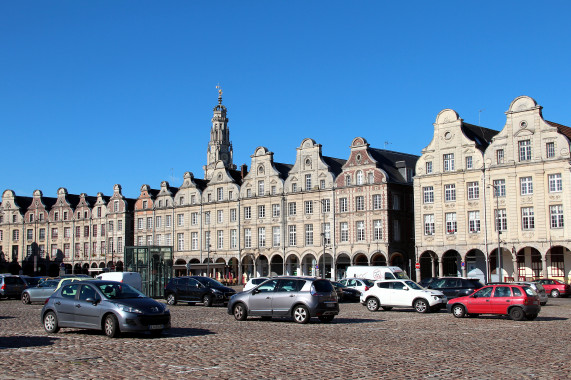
pixel 323 272
pixel 499 263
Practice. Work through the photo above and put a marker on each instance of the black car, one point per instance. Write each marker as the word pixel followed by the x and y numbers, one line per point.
pixel 453 287
pixel 427 281
pixel 345 293
pixel 193 289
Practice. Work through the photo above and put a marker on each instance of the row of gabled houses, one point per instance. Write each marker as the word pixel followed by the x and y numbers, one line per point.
pixel 442 210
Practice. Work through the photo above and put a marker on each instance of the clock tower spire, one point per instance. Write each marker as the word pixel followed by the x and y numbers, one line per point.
pixel 219 147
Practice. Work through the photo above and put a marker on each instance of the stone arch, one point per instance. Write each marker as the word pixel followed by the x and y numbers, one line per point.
pixel 428 264
pixel 558 260
pixel 262 266
pixel 475 265
pixel 451 263
pixel 276 265
pixel 360 259
pixel 378 259
pixel 248 267
pixel 292 264
pixel 308 263
pixel 343 261
pixel 529 265
pixel 397 259
pixel 507 266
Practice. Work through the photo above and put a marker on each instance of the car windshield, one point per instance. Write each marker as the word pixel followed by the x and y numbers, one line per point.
pixel 529 291
pixel 116 290
pixel 400 275
pixel 413 285
pixel 369 283
pixel 209 282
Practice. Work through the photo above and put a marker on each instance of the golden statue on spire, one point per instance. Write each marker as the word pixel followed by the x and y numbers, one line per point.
pixel 219 93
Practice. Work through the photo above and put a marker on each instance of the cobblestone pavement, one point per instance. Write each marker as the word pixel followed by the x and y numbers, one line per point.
pixel 209 343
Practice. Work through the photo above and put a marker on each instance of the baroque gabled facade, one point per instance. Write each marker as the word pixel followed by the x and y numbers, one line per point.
pixel 478 191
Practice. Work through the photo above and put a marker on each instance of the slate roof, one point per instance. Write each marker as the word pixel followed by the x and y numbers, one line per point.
pixel 387 161
pixel 335 164
pixel 283 169
pixel 564 130
pixel 480 135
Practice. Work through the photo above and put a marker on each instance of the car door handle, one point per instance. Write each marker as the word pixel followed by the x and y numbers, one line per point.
pixel 508 300
pixel 77 305
pixel 291 295
pixel 58 303
pixel 268 298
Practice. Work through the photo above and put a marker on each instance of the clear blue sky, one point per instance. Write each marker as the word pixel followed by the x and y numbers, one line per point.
pixel 94 93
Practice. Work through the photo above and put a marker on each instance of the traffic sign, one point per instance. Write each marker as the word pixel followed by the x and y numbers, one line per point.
pixel 417 265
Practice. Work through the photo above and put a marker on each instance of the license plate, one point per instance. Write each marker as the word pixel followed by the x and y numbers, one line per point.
pixel 156 327
pixel 330 305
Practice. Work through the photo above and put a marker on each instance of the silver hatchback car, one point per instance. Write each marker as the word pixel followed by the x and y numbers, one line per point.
pixel 298 297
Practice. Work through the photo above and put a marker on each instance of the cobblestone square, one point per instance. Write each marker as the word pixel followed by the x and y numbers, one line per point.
pixel 209 343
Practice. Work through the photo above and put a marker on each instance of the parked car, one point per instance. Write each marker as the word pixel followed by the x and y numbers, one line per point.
pixel 104 305
pixel 402 293
pixel 131 278
pixel 518 301
pixel 453 287
pixel 426 281
pixel 345 293
pixel 33 281
pixel 253 282
pixel 193 289
pixel 555 288
pixel 372 272
pixel 361 284
pixel 40 292
pixel 300 298
pixel 11 286
pixel 537 287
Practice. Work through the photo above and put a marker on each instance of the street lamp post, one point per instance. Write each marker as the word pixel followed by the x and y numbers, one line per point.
pixel 208 258
pixel 323 272
pixel 499 263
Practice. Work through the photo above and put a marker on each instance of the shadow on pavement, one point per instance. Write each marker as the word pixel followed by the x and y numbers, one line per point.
pixel 174 332
pixel 7 342
pixel 336 321
pixel 6 317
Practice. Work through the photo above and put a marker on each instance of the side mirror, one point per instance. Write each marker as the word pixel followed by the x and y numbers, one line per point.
pixel 255 291
pixel 93 301
pixel 405 288
pixel 474 295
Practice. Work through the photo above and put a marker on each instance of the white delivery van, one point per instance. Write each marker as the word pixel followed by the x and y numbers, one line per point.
pixel 376 272
pixel 129 278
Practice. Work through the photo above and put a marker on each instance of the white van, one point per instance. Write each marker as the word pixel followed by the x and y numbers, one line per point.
pixel 129 278
pixel 376 272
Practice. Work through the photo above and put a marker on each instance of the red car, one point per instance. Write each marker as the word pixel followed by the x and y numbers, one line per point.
pixel 517 301
pixel 554 288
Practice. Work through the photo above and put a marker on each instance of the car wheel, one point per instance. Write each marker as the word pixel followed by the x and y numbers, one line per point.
pixel 50 322
pixel 207 300
pixel 517 314
pixel 111 326
pixel 531 317
pixel 555 293
pixel 171 299
pixel 421 305
pixel 301 314
pixel 326 318
pixel 26 299
pixel 387 308
pixel 373 304
pixel 240 312
pixel 458 311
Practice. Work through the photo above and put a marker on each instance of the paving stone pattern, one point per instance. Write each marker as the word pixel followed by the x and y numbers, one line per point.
pixel 209 343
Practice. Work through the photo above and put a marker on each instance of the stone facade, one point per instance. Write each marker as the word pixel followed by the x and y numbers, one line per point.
pixel 467 173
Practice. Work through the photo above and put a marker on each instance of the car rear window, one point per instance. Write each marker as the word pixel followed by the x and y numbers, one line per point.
pixel 322 286
pixel 517 292
pixel 529 291
pixel 368 283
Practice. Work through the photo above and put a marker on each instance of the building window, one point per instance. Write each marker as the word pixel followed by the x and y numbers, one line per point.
pixel 261 211
pixel 276 210
pixel 77 231
pixel 526 185
pixel 377 204
pixel 194 218
pixel 499 156
pixel 347 180
pixel 207 217
pixel 292 236
pixel 450 193
pixel 555 183
pixel 181 200
pixel 325 205
pixel 322 183
pixel 359 177
pixel 527 218
pixel 344 228
pixel 102 229
pixel 428 194
pixel 469 164
pixel 247 238
pixel 180 220
pixel 274 190
pixel 220 239
pixel 396 230
pixel 42 234
pixel 261 190
pixel 219 193
pixel 524 150
pixel 449 162
pixel 474 221
pixel 262 237
pixel 429 224
pixel 473 190
pixel 499 187
pixel 309 234
pixel 145 204
pixel 233 215
pixel 248 212
pixel 377 230
pixel 428 167
pixel 360 231
pixel 360 203
pixel 371 179
pixel 180 242
pixel 29 234
pixel 220 216
pixel 309 207
pixel 192 199
pixel 140 223
pixel 308 182
pixel 550 149
pixel 67 232
pixel 168 221
pixel 233 239
pixel 56 217
pixel 65 215
pixel 207 240
pixel 276 236
pixel 342 204
pixel 291 208
pixel 556 213
pixel 294 187
pixel 194 241
pixel 86 229
pixel 326 233
pixel 248 193
pixel 158 222
pixel 451 225
pixel 149 223
pixel 501 220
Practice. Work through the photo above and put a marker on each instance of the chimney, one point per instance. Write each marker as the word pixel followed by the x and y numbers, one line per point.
pixel 243 170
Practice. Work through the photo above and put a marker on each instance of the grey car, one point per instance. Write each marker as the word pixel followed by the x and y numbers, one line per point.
pixel 110 306
pixel 40 292
pixel 296 297
pixel 11 286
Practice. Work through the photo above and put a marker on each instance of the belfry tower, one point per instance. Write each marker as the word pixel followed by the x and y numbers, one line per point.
pixel 219 147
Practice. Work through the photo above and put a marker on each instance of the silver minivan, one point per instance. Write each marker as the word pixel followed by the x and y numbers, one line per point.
pixel 300 298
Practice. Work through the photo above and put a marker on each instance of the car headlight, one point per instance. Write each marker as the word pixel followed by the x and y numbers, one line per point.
pixel 216 291
pixel 129 309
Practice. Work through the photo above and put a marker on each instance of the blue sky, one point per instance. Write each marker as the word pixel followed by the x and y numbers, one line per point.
pixel 94 93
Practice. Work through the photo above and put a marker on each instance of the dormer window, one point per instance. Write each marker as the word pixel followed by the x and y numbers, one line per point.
pixel 347 180
pixel 144 204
